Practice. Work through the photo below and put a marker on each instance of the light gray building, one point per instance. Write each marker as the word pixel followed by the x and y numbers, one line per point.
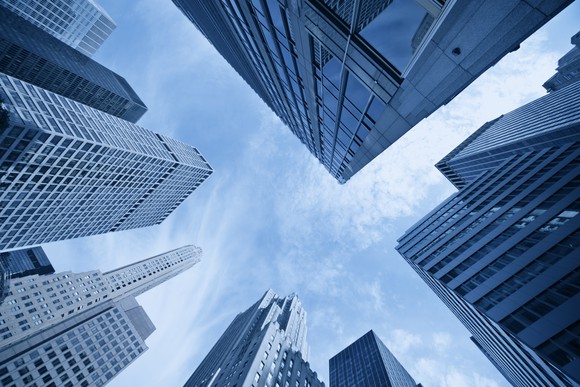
pixel 82 24
pixel 368 363
pixel 351 77
pixel 264 346
pixel 71 329
pixel 68 170
pixel 503 251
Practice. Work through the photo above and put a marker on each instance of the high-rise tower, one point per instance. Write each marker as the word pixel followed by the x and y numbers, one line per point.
pixel 75 329
pixel 368 362
pixel 351 77
pixel 22 263
pixel 264 346
pixel 502 252
pixel 82 24
pixel 25 262
pixel 68 170
pixel 33 55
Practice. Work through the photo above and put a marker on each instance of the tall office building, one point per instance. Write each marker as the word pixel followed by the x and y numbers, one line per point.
pixel 33 55
pixel 82 24
pixel 351 77
pixel 503 250
pixel 264 346
pixel 68 170
pixel 72 329
pixel 368 362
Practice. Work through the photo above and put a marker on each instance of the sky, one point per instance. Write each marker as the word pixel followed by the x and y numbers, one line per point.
pixel 270 216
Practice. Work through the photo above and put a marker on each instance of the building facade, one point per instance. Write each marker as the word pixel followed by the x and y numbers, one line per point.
pixel 71 329
pixel 33 55
pixel 21 263
pixel 368 363
pixel 350 78
pixel 25 262
pixel 68 170
pixel 505 246
pixel 264 346
pixel 82 24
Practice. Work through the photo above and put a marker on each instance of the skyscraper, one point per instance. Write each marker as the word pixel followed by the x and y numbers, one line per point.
pixel 68 170
pixel 82 24
pixel 80 328
pixel 21 263
pixel 368 362
pixel 349 78
pixel 33 55
pixel 264 346
pixel 25 262
pixel 503 250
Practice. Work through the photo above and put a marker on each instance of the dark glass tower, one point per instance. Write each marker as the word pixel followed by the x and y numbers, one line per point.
pixel 33 55
pixel 264 346
pixel 368 363
pixel 503 251
pixel 21 263
pixel 351 77
pixel 25 262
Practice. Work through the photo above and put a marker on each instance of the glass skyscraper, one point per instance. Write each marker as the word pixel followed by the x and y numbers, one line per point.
pixel 32 55
pixel 503 251
pixel 68 170
pixel 264 346
pixel 80 329
pixel 21 263
pixel 349 78
pixel 25 262
pixel 82 24
pixel 368 363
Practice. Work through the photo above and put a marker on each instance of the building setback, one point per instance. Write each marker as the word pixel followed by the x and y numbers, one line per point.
pixel 75 329
pixel 68 170
pixel 33 55
pixel 350 78
pixel 21 263
pixel 264 346
pixel 503 249
pixel 368 363
pixel 82 24
pixel 568 70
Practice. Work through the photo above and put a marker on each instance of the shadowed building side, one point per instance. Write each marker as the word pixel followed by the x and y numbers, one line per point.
pixel 368 363
pixel 349 78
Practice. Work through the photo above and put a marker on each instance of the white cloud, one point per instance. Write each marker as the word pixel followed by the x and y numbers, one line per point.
pixel 441 341
pixel 429 371
pixel 401 341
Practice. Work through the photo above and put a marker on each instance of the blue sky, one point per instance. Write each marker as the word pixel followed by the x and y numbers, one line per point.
pixel 272 217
